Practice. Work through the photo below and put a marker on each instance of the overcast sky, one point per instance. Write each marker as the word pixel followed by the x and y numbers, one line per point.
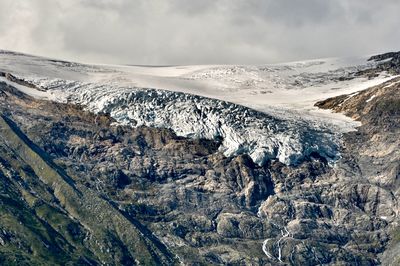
pixel 199 31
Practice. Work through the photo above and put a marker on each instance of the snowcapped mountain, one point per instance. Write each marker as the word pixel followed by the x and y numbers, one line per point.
pixel 126 165
pixel 264 111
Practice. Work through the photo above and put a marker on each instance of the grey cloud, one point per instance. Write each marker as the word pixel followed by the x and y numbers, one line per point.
pixel 192 8
pixel 294 13
pixel 198 32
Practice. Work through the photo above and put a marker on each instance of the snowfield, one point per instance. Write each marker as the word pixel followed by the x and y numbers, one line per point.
pixel 265 111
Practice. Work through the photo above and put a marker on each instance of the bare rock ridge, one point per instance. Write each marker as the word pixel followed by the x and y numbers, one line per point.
pixel 391 61
pixel 388 62
pixel 372 154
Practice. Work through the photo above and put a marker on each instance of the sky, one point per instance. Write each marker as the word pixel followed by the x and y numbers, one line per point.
pixel 182 32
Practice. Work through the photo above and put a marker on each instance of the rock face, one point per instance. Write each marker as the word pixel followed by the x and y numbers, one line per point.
pixel 372 154
pixel 388 62
pixel 76 188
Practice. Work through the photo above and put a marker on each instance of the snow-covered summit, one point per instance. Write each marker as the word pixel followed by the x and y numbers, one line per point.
pixel 265 111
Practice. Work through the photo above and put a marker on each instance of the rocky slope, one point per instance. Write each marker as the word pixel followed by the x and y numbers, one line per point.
pixel 77 188
pixel 372 154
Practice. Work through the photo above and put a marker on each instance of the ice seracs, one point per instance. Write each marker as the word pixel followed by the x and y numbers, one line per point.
pixel 242 130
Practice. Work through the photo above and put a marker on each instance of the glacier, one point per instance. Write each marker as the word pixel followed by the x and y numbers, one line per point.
pixel 265 112
pixel 241 129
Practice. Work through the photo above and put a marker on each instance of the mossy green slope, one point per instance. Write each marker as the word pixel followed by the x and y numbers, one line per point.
pixel 64 222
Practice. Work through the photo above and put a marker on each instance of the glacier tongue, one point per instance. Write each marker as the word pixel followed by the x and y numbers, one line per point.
pixel 243 130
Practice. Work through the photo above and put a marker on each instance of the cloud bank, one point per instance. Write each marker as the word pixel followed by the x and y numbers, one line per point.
pixel 199 32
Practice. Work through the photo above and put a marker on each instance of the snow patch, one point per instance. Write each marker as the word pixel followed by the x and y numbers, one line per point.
pixel 29 91
pixel 370 99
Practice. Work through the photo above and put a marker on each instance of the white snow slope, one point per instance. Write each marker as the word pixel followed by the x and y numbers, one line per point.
pixel 265 111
